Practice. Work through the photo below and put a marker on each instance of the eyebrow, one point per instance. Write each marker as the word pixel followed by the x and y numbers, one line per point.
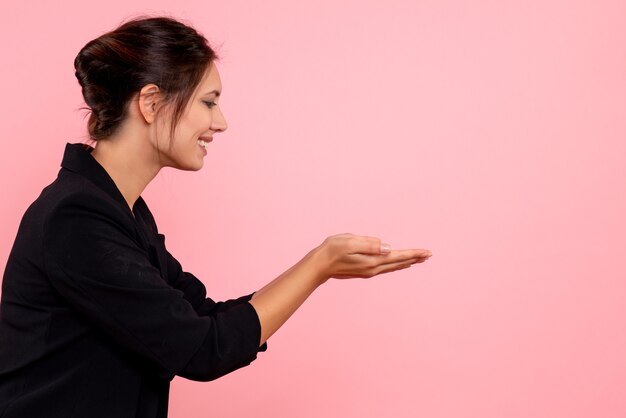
pixel 216 92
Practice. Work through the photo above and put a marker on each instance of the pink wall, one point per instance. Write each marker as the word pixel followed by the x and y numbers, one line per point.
pixel 492 133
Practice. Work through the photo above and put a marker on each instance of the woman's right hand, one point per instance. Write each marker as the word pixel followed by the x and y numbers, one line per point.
pixel 347 256
pixel 342 256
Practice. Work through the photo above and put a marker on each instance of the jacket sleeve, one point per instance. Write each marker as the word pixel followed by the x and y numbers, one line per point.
pixel 96 264
pixel 195 292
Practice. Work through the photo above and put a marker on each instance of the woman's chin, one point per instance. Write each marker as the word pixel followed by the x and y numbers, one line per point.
pixel 194 167
pixel 188 165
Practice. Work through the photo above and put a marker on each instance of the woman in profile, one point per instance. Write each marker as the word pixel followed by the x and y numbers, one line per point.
pixel 96 316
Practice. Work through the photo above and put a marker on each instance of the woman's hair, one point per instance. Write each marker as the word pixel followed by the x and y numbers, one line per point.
pixel 112 68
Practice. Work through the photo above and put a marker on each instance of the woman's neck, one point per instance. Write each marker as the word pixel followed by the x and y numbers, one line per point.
pixel 130 162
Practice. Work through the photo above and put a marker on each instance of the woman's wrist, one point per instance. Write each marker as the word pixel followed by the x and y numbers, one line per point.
pixel 318 263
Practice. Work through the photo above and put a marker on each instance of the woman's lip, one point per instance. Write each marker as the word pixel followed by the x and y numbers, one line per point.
pixel 206 138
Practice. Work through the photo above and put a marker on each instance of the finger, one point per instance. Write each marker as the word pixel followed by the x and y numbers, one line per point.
pixel 373 245
pixel 407 262
pixel 390 267
pixel 385 248
pixel 373 265
pixel 367 245
pixel 400 255
pixel 371 262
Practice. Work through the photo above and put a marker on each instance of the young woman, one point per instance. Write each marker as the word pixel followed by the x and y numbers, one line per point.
pixel 97 316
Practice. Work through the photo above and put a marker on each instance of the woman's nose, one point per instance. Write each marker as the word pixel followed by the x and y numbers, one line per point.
pixel 219 122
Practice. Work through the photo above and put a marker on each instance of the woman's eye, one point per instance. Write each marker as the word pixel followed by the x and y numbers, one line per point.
pixel 210 104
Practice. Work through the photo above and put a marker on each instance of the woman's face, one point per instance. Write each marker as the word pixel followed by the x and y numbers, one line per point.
pixel 201 119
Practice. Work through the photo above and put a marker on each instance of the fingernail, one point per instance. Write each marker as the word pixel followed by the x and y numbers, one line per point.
pixel 385 248
pixel 429 254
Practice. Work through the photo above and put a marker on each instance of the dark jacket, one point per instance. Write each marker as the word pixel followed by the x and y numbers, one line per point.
pixel 96 315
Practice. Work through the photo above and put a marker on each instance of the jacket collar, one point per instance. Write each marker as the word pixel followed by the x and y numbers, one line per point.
pixel 78 159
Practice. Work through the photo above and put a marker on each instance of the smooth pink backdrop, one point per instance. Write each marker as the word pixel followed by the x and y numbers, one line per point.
pixel 491 132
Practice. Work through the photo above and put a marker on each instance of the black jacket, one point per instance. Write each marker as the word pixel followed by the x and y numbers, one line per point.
pixel 96 315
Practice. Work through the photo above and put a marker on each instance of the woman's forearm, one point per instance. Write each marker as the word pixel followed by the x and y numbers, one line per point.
pixel 280 298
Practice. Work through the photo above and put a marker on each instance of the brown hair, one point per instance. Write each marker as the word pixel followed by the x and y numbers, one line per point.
pixel 115 66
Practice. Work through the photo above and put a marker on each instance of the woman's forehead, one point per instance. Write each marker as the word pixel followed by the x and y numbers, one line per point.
pixel 211 82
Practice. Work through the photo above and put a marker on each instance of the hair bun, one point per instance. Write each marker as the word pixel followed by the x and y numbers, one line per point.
pixel 102 88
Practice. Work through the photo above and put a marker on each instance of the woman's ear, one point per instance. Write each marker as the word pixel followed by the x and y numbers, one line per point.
pixel 149 100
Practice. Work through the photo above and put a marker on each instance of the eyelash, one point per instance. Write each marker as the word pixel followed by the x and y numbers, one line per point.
pixel 210 104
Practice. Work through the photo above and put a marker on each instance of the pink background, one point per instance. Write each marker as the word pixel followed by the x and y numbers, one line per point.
pixel 491 132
